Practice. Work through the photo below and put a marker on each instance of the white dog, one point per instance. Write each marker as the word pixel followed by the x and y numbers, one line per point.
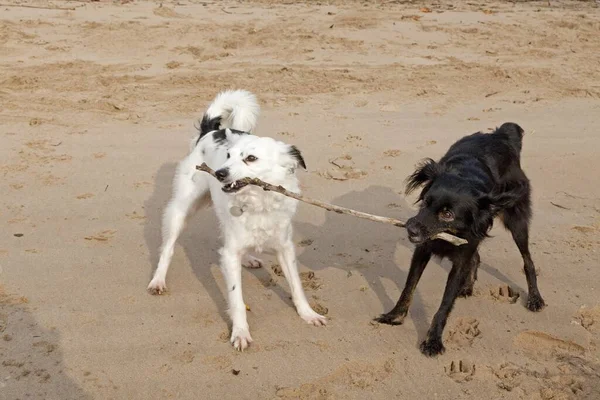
pixel 251 219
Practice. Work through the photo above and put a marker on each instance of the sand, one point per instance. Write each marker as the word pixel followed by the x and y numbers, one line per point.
pixel 98 102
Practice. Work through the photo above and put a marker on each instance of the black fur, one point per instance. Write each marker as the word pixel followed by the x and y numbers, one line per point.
pixel 220 136
pixel 479 178
pixel 295 153
pixel 209 124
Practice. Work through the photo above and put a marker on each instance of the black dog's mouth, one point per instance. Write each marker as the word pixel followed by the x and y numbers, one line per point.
pixel 234 186
pixel 417 239
pixel 421 238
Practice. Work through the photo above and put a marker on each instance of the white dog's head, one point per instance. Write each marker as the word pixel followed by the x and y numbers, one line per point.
pixel 258 157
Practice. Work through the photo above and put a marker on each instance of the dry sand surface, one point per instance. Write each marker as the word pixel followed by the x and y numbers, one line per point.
pixel 98 102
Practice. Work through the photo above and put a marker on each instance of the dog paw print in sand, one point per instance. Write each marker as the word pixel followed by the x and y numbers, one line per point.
pixel 460 371
pixel 504 294
pixel 392 153
pixel 463 332
pixel 342 169
pixel 319 308
pixel 310 281
pixel 276 268
pixel 185 357
pixel 588 318
pixel 509 376
pixel 103 236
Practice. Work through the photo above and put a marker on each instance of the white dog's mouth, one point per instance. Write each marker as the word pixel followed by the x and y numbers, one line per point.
pixel 234 186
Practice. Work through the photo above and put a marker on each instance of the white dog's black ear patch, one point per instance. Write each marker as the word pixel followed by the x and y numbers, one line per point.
pixel 222 136
pixel 209 124
pixel 296 155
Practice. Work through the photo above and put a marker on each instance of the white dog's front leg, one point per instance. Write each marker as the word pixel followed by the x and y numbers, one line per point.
pixel 287 259
pixel 231 265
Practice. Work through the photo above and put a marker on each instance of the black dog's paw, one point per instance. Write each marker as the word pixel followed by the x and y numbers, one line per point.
pixel 535 303
pixel 432 347
pixel 466 292
pixel 391 319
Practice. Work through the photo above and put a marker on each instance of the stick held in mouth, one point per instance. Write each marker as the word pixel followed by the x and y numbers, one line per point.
pixel 331 207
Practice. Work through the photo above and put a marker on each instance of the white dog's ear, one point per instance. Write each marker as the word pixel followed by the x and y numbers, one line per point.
pixel 296 156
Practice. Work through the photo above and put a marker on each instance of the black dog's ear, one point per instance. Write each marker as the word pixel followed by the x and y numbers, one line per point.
pixel 297 156
pixel 425 172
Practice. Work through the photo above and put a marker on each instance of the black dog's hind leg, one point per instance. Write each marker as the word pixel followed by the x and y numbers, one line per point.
pixel 419 261
pixel 467 289
pixel 517 222
pixel 461 267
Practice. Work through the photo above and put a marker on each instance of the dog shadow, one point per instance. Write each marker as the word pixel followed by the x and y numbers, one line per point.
pixel 199 239
pixel 368 248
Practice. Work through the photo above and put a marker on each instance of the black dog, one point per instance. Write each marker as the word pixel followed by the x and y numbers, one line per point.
pixel 479 178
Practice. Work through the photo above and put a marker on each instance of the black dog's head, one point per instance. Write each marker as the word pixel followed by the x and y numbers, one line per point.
pixel 450 203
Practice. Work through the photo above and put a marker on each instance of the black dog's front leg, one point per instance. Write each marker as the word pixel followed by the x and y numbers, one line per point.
pixel 461 268
pixel 419 261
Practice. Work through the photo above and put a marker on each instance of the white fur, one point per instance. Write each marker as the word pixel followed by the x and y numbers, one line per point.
pixel 266 219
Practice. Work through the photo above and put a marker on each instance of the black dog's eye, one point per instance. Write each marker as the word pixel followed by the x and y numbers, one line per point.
pixel 251 158
pixel 228 156
pixel 446 215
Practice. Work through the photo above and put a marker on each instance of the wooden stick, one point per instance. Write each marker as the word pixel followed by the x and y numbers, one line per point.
pixel 331 207
pixel 39 7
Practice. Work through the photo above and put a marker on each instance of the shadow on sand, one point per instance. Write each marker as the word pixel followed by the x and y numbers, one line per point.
pixel 32 361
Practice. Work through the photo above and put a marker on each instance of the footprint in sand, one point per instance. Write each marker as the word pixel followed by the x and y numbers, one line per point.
pixel 460 371
pixel 510 376
pixel 463 332
pixel 319 308
pixel 185 358
pixel 343 169
pixel 310 281
pixel 504 294
pixel 541 343
pixel 392 153
pixel 589 318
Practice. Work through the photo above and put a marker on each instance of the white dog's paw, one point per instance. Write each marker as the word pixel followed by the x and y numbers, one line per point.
pixel 252 262
pixel 313 318
pixel 240 338
pixel 157 286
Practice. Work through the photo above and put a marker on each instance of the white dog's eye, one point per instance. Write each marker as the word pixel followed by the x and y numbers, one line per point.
pixel 228 156
pixel 251 158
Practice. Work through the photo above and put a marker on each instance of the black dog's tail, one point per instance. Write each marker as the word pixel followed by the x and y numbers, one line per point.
pixel 514 134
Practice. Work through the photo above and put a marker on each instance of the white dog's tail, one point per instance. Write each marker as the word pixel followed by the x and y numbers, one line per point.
pixel 233 109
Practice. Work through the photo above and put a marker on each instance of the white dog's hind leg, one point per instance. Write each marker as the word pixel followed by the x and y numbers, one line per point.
pixel 251 262
pixel 231 266
pixel 186 200
pixel 287 259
